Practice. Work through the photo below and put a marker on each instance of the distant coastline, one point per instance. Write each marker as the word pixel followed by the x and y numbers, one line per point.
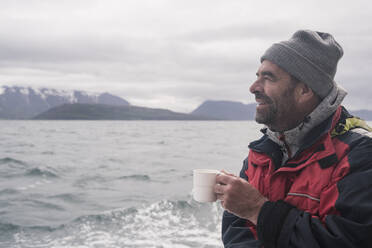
pixel 79 111
pixel 21 103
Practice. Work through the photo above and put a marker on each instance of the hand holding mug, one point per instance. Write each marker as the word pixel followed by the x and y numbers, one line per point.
pixel 238 196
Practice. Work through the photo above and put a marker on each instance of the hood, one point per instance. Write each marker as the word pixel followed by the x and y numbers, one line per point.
pixel 294 137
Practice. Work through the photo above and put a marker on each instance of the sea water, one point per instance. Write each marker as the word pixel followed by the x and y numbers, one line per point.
pixel 106 184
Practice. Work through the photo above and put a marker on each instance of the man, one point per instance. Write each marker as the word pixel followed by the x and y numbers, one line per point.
pixel 308 181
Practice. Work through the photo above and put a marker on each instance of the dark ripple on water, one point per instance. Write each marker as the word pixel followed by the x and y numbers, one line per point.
pixel 39 172
pixel 72 198
pixel 18 164
pixel 12 228
pixel 19 170
pixel 138 177
pixel 27 145
pixel 7 227
pixel 41 204
pixel 48 153
pixel 10 167
pixel 8 160
pixel 8 192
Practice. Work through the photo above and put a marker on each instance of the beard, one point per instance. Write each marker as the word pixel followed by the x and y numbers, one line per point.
pixel 278 113
pixel 268 114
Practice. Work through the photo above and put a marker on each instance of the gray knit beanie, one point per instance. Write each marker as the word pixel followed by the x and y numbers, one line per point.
pixel 309 56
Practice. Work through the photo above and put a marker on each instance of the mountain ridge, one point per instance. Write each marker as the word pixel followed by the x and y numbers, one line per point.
pixel 25 102
pixel 226 110
pixel 83 111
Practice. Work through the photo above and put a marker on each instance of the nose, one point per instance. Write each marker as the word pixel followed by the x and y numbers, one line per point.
pixel 256 86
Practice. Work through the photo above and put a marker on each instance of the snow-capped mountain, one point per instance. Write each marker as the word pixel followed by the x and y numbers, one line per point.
pixel 25 102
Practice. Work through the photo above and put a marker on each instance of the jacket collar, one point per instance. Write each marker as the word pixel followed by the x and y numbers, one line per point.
pixel 317 140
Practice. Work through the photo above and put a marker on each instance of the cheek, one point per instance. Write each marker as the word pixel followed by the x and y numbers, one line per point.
pixel 288 104
pixel 285 103
pixel 270 93
pixel 283 99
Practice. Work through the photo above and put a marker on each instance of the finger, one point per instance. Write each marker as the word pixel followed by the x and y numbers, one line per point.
pixel 225 172
pixel 224 178
pixel 219 197
pixel 219 188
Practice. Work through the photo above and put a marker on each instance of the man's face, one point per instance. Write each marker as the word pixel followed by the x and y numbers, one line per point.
pixel 275 95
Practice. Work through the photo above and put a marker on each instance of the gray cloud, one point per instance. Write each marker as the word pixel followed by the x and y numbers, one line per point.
pixel 172 54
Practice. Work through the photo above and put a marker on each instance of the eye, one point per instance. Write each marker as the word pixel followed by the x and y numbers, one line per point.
pixel 268 78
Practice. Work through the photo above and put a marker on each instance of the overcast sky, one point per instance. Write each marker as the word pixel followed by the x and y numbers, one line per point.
pixel 172 53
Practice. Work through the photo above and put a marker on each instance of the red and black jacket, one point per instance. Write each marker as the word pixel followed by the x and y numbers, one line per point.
pixel 322 197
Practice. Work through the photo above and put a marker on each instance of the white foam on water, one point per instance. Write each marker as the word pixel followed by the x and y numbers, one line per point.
pixel 163 224
pixel 35 184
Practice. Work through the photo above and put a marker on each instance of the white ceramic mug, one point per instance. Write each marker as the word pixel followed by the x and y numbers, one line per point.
pixel 203 185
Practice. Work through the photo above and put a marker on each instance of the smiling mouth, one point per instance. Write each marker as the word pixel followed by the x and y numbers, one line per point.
pixel 261 103
pixel 262 99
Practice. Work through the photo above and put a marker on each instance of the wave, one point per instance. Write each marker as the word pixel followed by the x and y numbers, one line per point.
pixel 11 167
pixel 38 172
pixel 161 224
pixel 8 160
pixel 165 223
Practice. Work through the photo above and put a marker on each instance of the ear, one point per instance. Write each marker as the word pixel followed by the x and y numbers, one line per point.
pixel 304 93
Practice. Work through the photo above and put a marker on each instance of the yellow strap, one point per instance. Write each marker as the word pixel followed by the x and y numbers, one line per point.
pixel 350 123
